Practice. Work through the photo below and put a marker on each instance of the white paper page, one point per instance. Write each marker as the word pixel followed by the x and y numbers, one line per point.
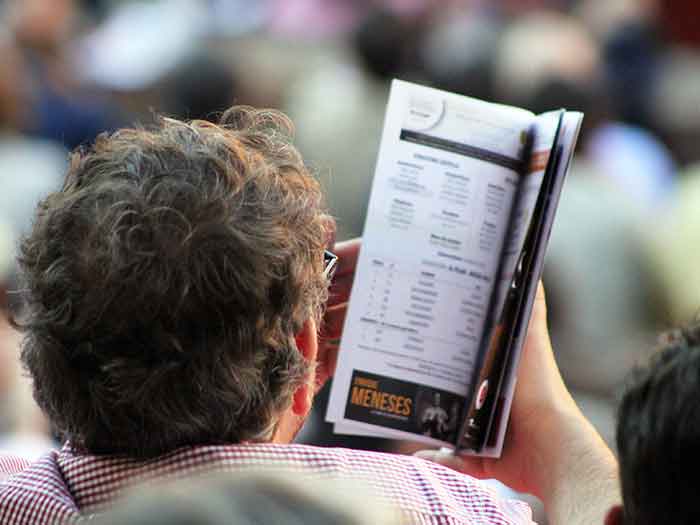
pixel 445 179
pixel 545 129
pixel 352 428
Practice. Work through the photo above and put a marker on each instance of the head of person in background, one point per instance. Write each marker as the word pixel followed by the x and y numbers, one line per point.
pixel 8 369
pixel 14 86
pixel 251 499
pixel 532 67
pixel 385 44
pixel 201 87
pixel 43 27
pixel 174 288
pixel 658 436
pixel 23 429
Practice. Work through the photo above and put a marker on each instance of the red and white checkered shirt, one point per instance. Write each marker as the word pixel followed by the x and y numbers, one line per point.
pixel 63 486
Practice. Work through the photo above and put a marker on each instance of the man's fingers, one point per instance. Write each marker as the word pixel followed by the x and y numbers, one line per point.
pixel 540 291
pixel 331 230
pixel 332 328
pixel 327 360
pixel 539 308
pixel 331 359
pixel 446 458
pixel 347 252
pixel 340 289
pixel 333 322
pixel 472 466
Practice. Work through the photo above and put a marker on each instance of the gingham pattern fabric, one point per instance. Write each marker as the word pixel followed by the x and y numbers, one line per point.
pixel 63 486
pixel 37 495
pixel 11 465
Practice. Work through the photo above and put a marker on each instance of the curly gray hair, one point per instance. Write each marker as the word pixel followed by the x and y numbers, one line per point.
pixel 166 281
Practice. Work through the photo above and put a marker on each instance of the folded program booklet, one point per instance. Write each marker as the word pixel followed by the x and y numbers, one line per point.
pixel 462 205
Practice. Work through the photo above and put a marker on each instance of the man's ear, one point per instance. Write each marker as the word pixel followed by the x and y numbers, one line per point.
pixel 615 516
pixel 302 400
pixel 307 340
pixel 307 344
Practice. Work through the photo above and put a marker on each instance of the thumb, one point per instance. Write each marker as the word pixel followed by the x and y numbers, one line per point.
pixel 472 466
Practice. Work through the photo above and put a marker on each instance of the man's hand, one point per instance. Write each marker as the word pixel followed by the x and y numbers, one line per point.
pixel 551 450
pixel 332 326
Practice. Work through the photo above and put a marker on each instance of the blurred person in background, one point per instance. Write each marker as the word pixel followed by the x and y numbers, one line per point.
pixel 201 87
pixel 24 430
pixel 339 134
pixel 9 340
pixel 30 168
pixel 135 47
pixel 174 290
pixel 62 108
pixel 632 56
pixel 458 50
pixel 543 48
pixel 252 499
pixel 673 249
pixel 679 21
pixel 548 60
pixel 676 103
pixel 601 306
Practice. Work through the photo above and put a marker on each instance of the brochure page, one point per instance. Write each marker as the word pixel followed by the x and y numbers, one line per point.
pixel 446 176
pixel 496 348
pixel 545 127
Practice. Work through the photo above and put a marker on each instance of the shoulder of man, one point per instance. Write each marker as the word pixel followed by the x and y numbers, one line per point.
pixel 34 492
pixel 11 464
pixel 425 492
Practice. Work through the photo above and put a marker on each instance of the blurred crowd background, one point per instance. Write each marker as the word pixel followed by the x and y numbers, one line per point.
pixel 624 256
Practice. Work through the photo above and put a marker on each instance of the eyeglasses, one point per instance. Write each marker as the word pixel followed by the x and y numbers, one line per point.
pixel 330 264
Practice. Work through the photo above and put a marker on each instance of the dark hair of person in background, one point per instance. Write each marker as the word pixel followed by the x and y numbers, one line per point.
pixel 631 60
pixel 165 283
pixel 386 44
pixel 202 87
pixel 658 435
pixel 476 80
pixel 555 92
